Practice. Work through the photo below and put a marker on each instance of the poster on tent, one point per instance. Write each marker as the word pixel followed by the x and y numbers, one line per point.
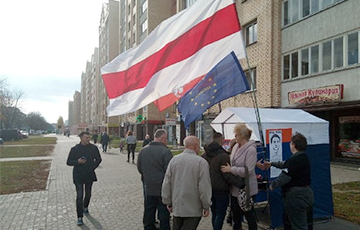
pixel 278 139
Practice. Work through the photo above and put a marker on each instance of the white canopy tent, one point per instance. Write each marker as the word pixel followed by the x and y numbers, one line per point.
pixel 315 129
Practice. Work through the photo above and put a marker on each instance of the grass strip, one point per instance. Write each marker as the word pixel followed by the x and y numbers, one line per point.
pixel 25 151
pixel 23 176
pixel 33 140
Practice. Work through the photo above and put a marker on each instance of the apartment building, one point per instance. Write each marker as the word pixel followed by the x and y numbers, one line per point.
pixel 320 67
pixel 261 27
pixel 74 113
pixel 137 19
pixel 71 113
pixel 108 50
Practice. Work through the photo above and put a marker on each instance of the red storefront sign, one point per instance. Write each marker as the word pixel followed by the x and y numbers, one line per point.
pixel 325 93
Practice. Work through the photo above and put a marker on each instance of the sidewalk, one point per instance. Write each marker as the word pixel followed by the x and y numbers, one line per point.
pixel 117 200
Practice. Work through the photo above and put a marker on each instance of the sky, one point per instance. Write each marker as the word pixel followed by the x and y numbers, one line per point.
pixel 44 46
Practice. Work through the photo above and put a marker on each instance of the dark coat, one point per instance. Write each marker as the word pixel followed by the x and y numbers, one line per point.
pixel 146 142
pixel 152 163
pixel 105 139
pixel 84 173
pixel 216 156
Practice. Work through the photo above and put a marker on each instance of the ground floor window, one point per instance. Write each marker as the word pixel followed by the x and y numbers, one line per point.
pixel 349 136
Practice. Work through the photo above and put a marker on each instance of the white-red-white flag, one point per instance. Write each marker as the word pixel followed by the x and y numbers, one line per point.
pixel 174 57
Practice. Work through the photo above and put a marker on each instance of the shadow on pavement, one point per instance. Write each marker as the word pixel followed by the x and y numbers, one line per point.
pixel 94 222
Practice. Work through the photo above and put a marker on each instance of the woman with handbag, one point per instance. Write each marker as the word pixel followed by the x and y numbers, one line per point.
pixel 243 160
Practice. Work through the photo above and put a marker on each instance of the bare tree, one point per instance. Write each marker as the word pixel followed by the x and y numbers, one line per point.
pixel 10 101
pixel 36 121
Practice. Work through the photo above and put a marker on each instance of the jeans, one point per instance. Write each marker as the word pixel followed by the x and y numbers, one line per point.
pixel 250 216
pixel 220 202
pixel 298 208
pixel 131 148
pixel 104 147
pixel 153 203
pixel 82 203
pixel 186 223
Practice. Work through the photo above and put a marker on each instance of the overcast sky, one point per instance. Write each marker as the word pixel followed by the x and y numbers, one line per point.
pixel 44 46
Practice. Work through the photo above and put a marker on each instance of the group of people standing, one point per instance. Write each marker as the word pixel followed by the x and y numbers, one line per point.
pixel 189 186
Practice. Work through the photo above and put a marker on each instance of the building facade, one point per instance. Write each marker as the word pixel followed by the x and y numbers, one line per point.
pixel 137 19
pixel 320 67
pixel 108 50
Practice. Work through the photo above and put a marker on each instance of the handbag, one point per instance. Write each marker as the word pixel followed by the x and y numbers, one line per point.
pixel 244 199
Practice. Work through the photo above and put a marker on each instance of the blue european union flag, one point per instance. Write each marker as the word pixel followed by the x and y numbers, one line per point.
pixel 225 80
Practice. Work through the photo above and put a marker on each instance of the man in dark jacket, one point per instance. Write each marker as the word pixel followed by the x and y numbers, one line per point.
pixel 85 158
pixel 216 156
pixel 152 163
pixel 105 139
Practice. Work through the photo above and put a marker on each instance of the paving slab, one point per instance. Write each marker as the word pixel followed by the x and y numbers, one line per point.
pixel 116 203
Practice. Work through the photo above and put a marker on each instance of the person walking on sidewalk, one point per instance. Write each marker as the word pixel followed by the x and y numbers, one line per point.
pixel 152 163
pixel 186 189
pixel 85 158
pixel 295 183
pixel 131 146
pixel 105 139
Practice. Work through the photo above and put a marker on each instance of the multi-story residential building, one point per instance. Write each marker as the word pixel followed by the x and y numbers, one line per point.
pixel 94 79
pixel 74 113
pixel 108 50
pixel 71 113
pixel 137 19
pixel 320 66
pixel 261 25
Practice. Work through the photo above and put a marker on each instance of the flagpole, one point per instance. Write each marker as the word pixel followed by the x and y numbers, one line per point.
pixel 257 113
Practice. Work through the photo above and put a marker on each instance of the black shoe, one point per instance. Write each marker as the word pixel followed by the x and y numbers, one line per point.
pixel 127 161
pixel 86 211
pixel 133 162
pixel 79 221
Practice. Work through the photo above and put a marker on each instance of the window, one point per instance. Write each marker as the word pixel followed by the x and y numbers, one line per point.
pixel 294 64
pixel 134 18
pixel 144 6
pixel 315 59
pixel 338 52
pixel 353 48
pixel 129 26
pixel 286 12
pixel 251 33
pixel 326 3
pixel 286 67
pixel 326 55
pixel 295 10
pixel 189 3
pixel 314 6
pixel 145 108
pixel 306 8
pixel 134 38
pixel 251 78
pixel 144 26
pixel 305 62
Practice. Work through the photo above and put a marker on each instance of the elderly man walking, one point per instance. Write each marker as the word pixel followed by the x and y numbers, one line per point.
pixel 152 163
pixel 186 189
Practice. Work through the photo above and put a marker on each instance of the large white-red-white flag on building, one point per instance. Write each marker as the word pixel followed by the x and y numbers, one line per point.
pixel 174 57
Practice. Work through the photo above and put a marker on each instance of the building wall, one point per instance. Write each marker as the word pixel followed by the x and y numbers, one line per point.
pixel 264 55
pixel 77 108
pixel 324 25
pixel 108 50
